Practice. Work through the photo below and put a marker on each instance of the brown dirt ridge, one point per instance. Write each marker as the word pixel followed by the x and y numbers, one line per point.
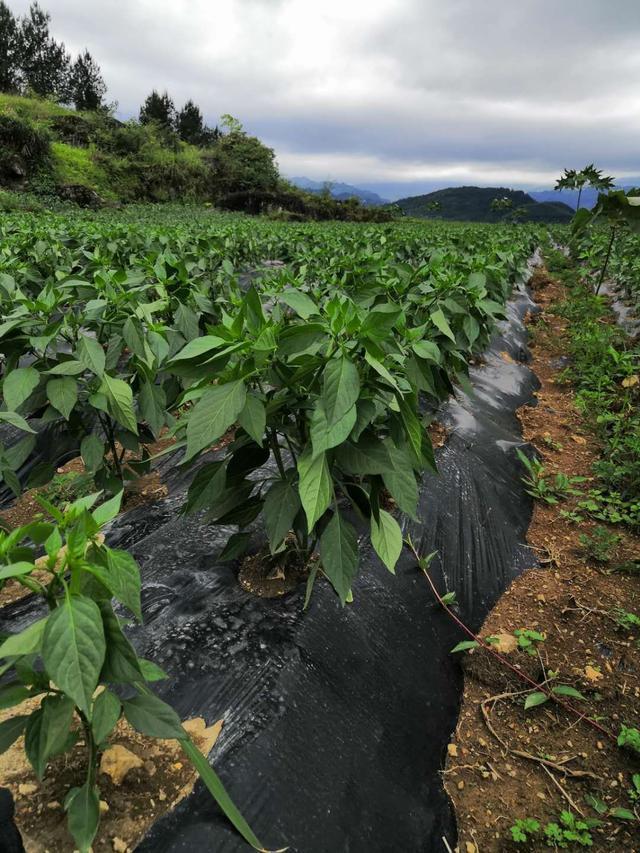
pixel 505 763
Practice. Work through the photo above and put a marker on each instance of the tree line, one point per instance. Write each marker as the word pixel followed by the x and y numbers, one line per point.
pixel 32 62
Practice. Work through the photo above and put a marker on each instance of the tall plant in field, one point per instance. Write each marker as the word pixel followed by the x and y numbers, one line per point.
pixel 620 209
pixel 573 179
pixel 73 657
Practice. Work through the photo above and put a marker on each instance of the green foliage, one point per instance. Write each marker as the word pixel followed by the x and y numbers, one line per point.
pixel 86 86
pixel 604 366
pixel 629 738
pixel 567 832
pixel 483 204
pixel 159 109
pixel 599 545
pixel 625 620
pixel 551 491
pixel 528 640
pixel 79 646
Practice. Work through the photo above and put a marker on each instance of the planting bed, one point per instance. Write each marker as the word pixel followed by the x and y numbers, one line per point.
pixel 270 422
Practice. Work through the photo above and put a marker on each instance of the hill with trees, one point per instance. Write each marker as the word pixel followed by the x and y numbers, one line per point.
pixel 59 138
pixel 484 204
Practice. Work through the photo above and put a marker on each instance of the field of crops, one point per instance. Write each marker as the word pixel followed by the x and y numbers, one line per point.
pixel 323 348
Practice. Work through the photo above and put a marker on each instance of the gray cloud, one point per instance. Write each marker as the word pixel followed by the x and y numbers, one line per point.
pixel 402 92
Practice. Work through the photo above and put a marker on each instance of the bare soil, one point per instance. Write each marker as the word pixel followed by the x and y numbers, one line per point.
pixel 164 777
pixel 561 759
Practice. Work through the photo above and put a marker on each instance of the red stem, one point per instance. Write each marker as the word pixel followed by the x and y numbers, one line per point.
pixel 521 675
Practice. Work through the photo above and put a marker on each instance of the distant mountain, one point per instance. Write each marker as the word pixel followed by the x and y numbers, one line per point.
pixel 339 191
pixel 570 197
pixel 473 204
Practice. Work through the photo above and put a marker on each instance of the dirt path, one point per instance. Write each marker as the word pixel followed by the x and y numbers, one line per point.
pixel 571 601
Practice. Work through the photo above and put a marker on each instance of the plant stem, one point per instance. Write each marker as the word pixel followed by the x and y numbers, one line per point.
pixel 579 197
pixel 606 260
pixel 487 647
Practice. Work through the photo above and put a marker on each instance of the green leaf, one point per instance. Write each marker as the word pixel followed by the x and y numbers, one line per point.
pixel 121 576
pixel 623 814
pixel 302 304
pixel 10 731
pixel 149 715
pixel 280 509
pixel 315 486
pixel 213 414
pixel 236 545
pixel 440 322
pixel 339 555
pixel 13 694
pixel 70 367
pixel 106 713
pixel 92 452
pixel 91 355
pixel 198 347
pixel 218 792
pixel 151 671
pixel 566 690
pixel 47 731
pixel 324 436
pixel 83 816
pixel 120 402
pixel 18 385
pixel 74 648
pixel 253 418
pixel 386 538
pixel 152 402
pixel 16 420
pixel 15 570
pixel 464 646
pixel 121 664
pixel 534 699
pixel 379 322
pixel 340 390
pixel 400 479
pixel 427 350
pixel 108 510
pixel 63 394
pixel 27 642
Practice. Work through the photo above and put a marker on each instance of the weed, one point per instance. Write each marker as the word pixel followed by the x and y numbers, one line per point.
pixel 629 738
pixel 567 830
pixel 528 640
pixel 542 488
pixel 600 545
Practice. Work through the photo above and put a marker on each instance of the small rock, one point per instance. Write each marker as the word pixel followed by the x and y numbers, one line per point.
pixel 104 806
pixel 119 845
pixel 592 673
pixel 54 804
pixel 161 795
pixel 470 847
pixel 452 749
pixel 505 643
pixel 150 768
pixel 26 789
pixel 117 761
pixel 460 785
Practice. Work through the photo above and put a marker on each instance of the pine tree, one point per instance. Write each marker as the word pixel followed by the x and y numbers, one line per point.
pixel 158 108
pixel 8 49
pixel 189 124
pixel 44 63
pixel 87 88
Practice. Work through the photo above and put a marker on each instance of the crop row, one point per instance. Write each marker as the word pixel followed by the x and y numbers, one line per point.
pixel 326 365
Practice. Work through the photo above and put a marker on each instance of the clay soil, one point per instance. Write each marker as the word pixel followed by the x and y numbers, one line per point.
pixel 161 778
pixel 573 602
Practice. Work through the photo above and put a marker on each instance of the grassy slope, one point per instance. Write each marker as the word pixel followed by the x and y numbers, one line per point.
pixel 148 171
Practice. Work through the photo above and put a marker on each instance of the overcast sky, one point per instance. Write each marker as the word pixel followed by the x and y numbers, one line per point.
pixel 394 94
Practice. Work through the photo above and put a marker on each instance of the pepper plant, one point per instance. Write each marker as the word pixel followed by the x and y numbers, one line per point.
pixel 76 659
